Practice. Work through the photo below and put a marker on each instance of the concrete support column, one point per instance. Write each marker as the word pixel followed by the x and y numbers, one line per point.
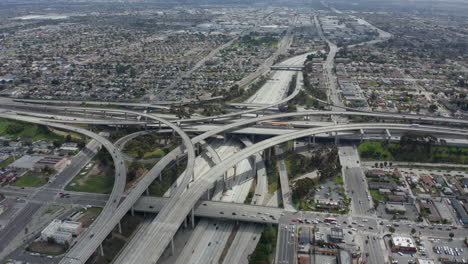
pixel 225 181
pixel 125 115
pixel 132 211
pixel 160 177
pixel 225 137
pixel 172 246
pixel 389 136
pixel 362 134
pixel 104 114
pixel 173 132
pixel 294 145
pixel 337 139
pixel 254 158
pixel 159 123
pixel 252 138
pixel 147 192
pixel 313 139
pixel 185 222
pixel 120 228
pixel 101 250
pixel 208 194
pixel 177 160
pixel 193 218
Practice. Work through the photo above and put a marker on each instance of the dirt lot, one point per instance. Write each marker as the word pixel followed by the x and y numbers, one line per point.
pixel 44 247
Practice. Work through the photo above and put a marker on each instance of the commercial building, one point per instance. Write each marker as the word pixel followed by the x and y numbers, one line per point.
pixel 336 235
pixel 62 237
pixel 403 243
pixel 61 232
pixel 460 211
pixel 55 163
pixel 395 208
pixel 75 228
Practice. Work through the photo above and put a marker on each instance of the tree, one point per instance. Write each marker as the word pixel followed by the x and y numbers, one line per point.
pixel 14 128
pixel 413 231
pixel 433 108
pixel 68 138
pixel 451 235
pixel 391 229
pixel 50 240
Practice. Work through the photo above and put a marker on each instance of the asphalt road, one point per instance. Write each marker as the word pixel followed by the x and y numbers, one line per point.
pixel 18 224
pixel 286 244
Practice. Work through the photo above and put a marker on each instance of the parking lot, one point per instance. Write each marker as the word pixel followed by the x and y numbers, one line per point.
pixel 452 250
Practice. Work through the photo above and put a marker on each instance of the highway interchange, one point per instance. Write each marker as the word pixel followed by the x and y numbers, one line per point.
pixel 204 172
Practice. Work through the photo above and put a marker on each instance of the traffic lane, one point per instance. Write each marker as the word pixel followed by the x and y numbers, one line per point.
pixel 357 188
pixel 17 224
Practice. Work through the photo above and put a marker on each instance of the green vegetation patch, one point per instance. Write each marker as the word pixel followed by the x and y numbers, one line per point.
pixel 7 162
pixel 152 146
pixel 30 180
pixel 169 176
pixel 414 148
pixel 272 174
pixel 98 180
pixel 14 128
pixel 264 250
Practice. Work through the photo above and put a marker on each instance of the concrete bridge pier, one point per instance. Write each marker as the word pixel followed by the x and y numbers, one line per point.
pixel 101 250
pixel 147 192
pixel 132 211
pixel 193 218
pixel 361 131
pixel 254 159
pixel 337 138
pixel 185 222
pixel 389 136
pixel 172 246
pixel 120 227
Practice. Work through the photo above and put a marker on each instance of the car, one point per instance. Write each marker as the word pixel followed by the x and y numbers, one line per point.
pixel 204 204
pixel 371 228
pixel 234 213
pixel 221 212
pixel 91 236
